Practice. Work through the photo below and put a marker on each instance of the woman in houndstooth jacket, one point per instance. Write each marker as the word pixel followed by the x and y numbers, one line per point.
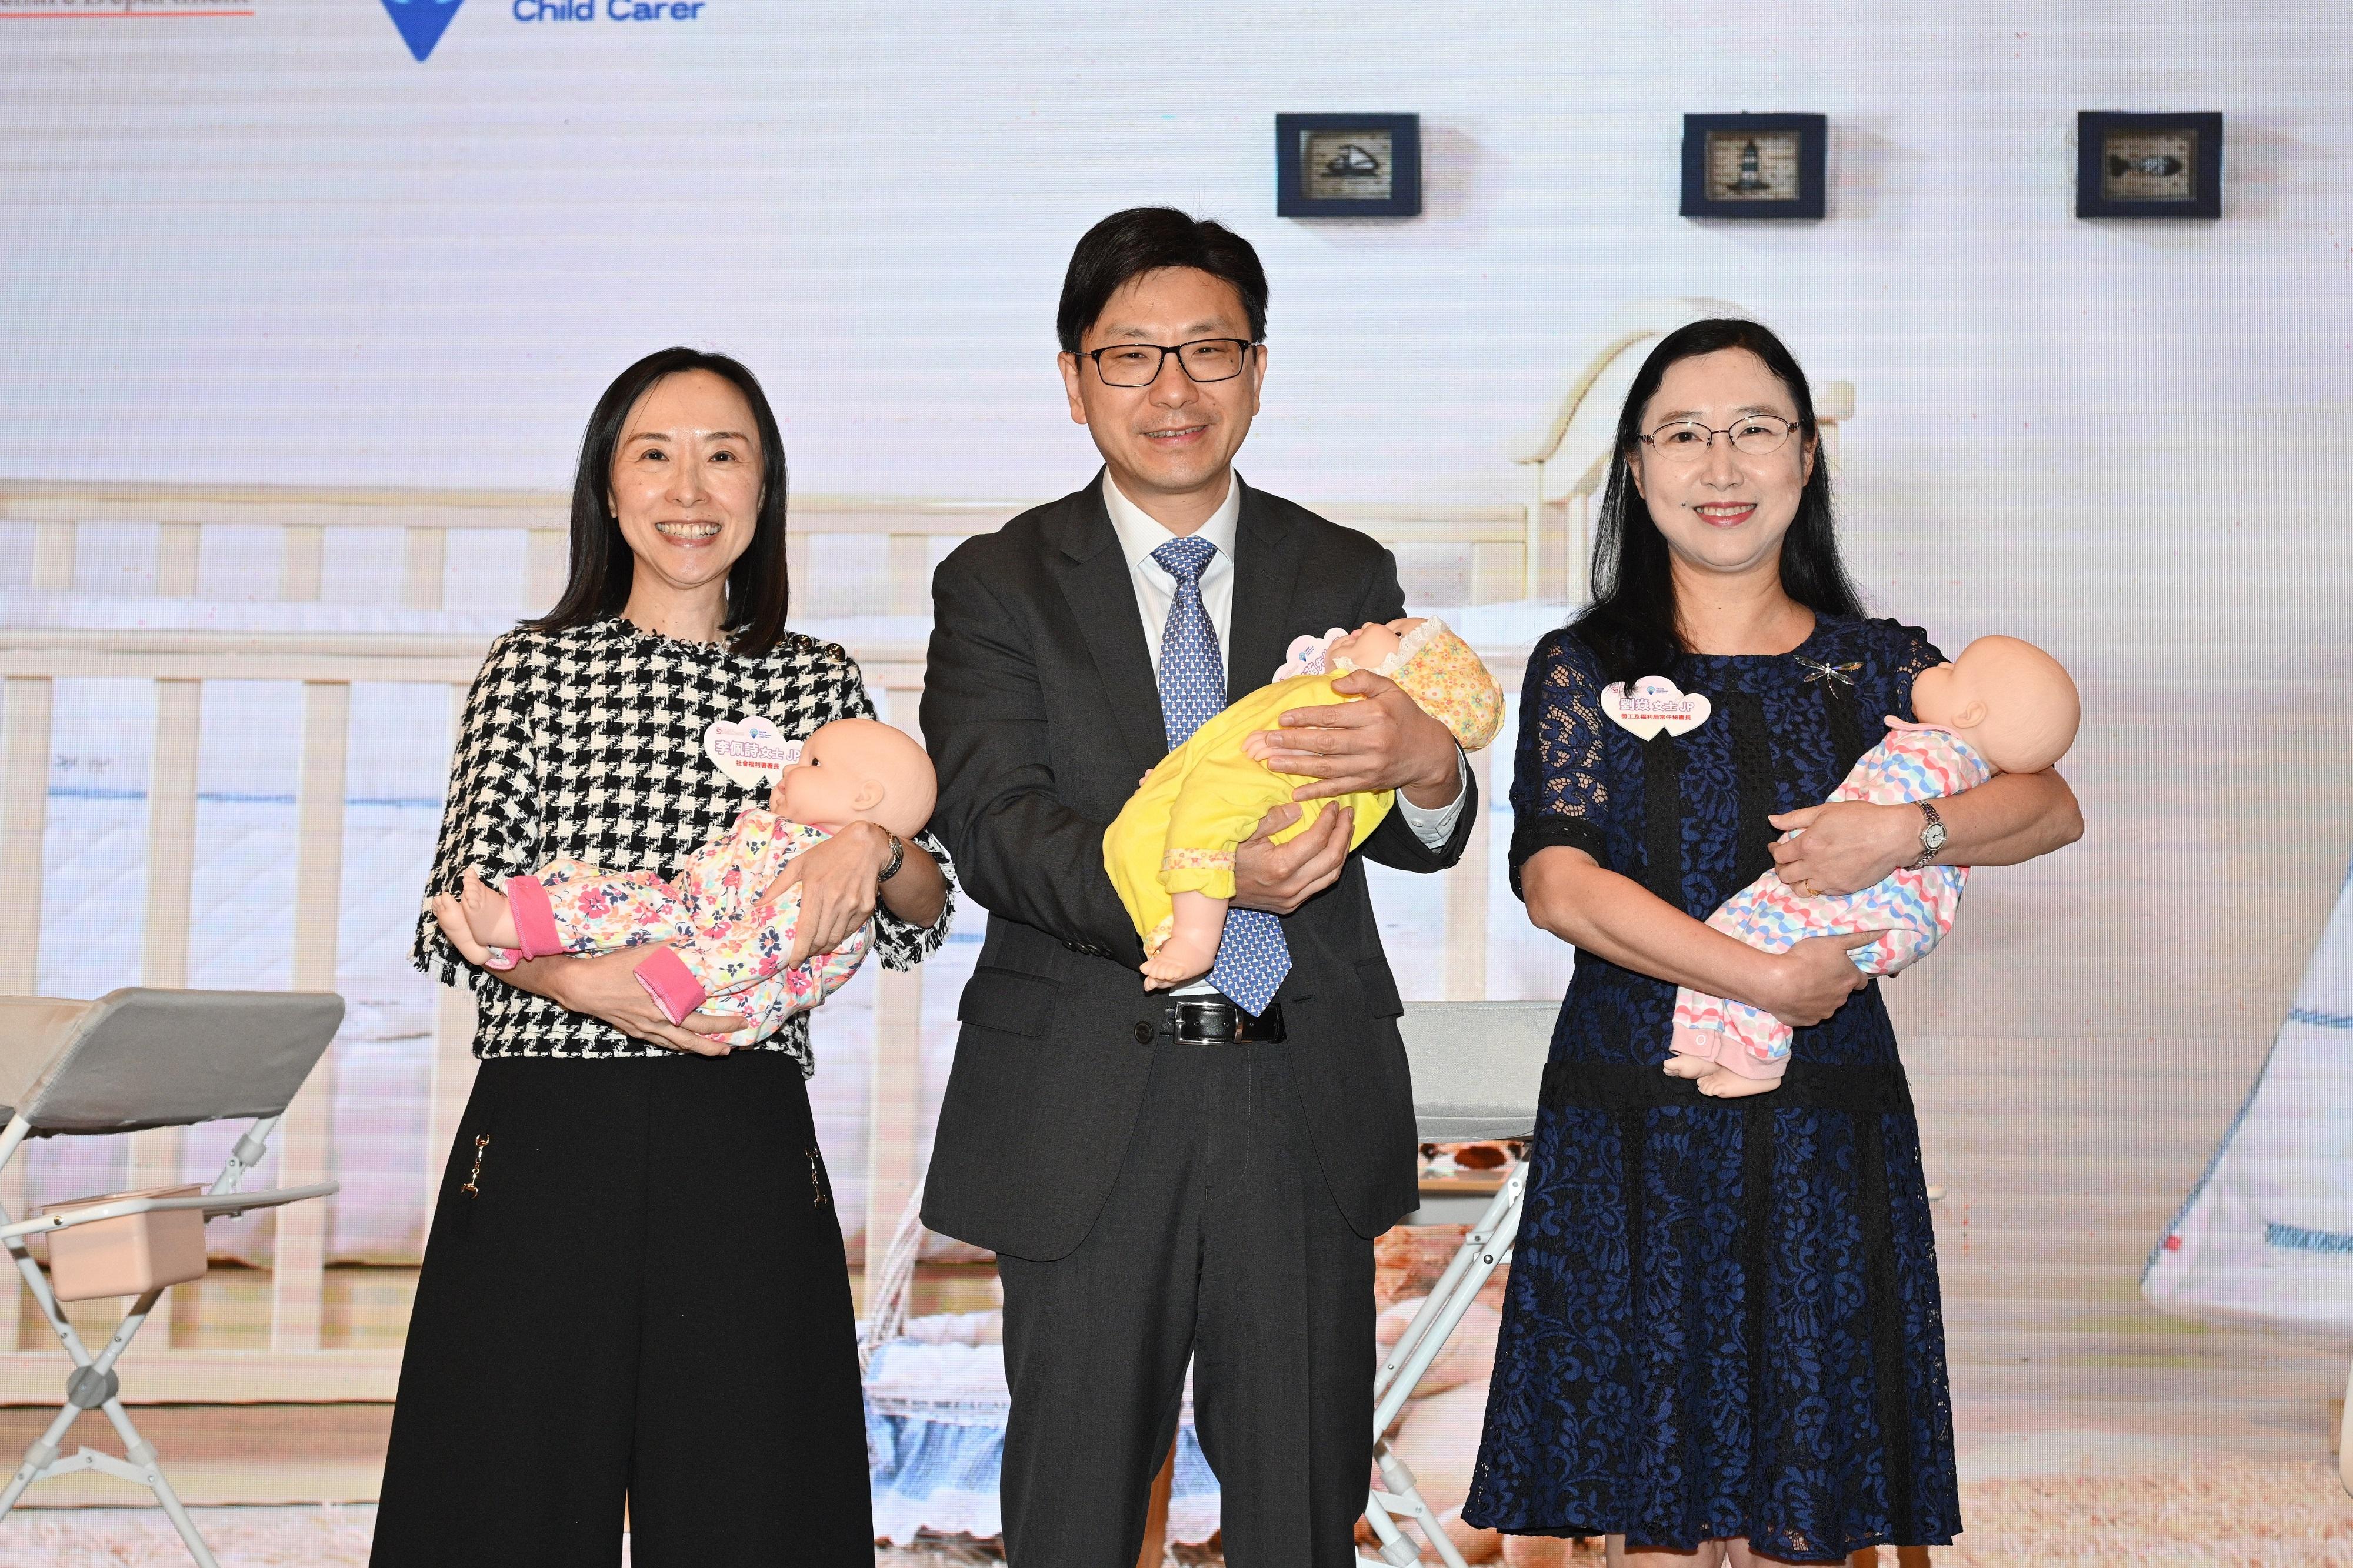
pixel 635 1288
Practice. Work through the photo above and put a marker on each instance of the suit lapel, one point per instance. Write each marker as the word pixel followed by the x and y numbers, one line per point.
pixel 1094 575
pixel 1266 566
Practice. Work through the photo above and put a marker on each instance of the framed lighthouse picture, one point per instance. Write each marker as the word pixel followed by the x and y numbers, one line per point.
pixel 1754 165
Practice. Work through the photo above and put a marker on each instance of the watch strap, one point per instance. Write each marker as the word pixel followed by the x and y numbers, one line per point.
pixel 898 859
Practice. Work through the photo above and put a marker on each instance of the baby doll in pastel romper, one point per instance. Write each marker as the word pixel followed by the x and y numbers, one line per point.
pixel 1170 853
pixel 722 931
pixel 2004 706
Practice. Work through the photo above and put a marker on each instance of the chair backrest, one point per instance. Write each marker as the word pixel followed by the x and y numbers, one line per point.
pixel 138 1057
pixel 1478 1066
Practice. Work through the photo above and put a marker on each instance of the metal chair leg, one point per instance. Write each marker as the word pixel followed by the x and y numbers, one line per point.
pixel 141 1454
pixel 91 1384
pixel 38 1458
pixel 1486 1246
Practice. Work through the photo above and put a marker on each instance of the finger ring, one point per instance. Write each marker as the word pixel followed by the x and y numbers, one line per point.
pixel 1811 891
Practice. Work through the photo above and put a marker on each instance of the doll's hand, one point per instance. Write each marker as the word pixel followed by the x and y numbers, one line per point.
pixel 1846 845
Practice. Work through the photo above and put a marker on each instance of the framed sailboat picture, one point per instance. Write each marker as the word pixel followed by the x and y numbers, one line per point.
pixel 1754 165
pixel 1348 165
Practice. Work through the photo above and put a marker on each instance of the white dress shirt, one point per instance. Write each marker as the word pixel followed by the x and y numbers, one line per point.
pixel 1140 533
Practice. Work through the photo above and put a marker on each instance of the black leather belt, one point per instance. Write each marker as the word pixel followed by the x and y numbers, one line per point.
pixel 1214 1020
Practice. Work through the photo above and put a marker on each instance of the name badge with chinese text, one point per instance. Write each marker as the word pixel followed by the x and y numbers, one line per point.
pixel 1654 705
pixel 749 750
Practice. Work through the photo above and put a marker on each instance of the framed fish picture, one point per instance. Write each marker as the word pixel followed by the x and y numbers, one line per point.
pixel 1348 165
pixel 2148 165
pixel 1754 165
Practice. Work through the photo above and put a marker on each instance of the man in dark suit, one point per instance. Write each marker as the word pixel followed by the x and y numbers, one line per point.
pixel 1197 1177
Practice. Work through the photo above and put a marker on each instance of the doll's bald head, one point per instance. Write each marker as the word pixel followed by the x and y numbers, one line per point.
pixel 2007 699
pixel 858 770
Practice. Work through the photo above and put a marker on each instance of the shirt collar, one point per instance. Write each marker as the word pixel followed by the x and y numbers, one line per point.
pixel 1141 533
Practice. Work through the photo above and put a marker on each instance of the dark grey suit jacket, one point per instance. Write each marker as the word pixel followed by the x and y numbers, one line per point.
pixel 1041 711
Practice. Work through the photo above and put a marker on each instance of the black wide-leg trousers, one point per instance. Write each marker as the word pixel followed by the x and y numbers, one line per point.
pixel 1220 1243
pixel 634 1288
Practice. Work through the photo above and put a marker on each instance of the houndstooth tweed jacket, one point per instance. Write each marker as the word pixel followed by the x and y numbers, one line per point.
pixel 587 744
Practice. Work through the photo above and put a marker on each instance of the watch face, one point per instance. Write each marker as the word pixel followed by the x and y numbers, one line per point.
pixel 1932 837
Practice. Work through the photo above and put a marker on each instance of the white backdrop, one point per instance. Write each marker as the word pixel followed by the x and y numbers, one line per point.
pixel 277 250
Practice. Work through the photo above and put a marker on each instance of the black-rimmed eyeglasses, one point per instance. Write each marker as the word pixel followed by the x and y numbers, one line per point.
pixel 1203 359
pixel 1688 440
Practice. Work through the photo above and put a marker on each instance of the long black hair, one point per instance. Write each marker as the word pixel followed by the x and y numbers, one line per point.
pixel 758 591
pixel 1632 624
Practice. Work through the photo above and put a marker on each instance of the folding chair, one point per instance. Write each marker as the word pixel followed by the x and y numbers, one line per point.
pixel 134 1059
pixel 1478 1067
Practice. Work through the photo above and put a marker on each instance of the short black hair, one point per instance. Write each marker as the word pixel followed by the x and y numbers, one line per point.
pixel 758 590
pixel 1145 239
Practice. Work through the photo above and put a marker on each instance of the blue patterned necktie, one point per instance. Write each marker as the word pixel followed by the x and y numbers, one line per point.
pixel 1252 957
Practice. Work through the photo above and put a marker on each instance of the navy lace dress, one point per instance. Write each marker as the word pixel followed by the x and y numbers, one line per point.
pixel 1722 1316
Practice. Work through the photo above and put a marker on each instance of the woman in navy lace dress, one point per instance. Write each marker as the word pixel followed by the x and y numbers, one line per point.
pixel 1723 1340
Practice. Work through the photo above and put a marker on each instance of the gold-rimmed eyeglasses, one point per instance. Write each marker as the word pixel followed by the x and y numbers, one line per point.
pixel 1203 359
pixel 1688 440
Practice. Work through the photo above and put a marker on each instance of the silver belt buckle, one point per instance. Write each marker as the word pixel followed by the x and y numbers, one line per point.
pixel 1205 1020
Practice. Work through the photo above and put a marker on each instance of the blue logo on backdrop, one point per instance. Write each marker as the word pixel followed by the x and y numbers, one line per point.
pixel 421 22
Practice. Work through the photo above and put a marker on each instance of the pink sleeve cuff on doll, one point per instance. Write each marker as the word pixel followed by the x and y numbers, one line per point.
pixel 534 920
pixel 670 983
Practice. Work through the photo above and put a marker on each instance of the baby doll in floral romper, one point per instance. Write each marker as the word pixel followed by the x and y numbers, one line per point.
pixel 2005 706
pixel 723 929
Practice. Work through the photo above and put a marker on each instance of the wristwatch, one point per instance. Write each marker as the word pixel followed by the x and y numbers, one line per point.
pixel 1932 837
pixel 899 854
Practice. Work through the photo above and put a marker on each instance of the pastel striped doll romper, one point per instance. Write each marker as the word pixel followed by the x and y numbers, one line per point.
pixel 1916 909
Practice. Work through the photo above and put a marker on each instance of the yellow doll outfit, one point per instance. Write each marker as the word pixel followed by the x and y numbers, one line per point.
pixel 1179 831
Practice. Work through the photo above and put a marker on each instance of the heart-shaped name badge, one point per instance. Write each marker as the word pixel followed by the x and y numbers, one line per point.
pixel 1654 705
pixel 749 750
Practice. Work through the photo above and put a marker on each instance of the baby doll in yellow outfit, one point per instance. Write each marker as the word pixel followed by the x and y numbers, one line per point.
pixel 1170 854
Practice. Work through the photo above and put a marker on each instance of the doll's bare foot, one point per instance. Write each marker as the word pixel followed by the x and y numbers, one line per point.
pixel 479 922
pixel 1197 922
pixel 1716 1082
pixel 488 912
pixel 1179 963
pixel 452 916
